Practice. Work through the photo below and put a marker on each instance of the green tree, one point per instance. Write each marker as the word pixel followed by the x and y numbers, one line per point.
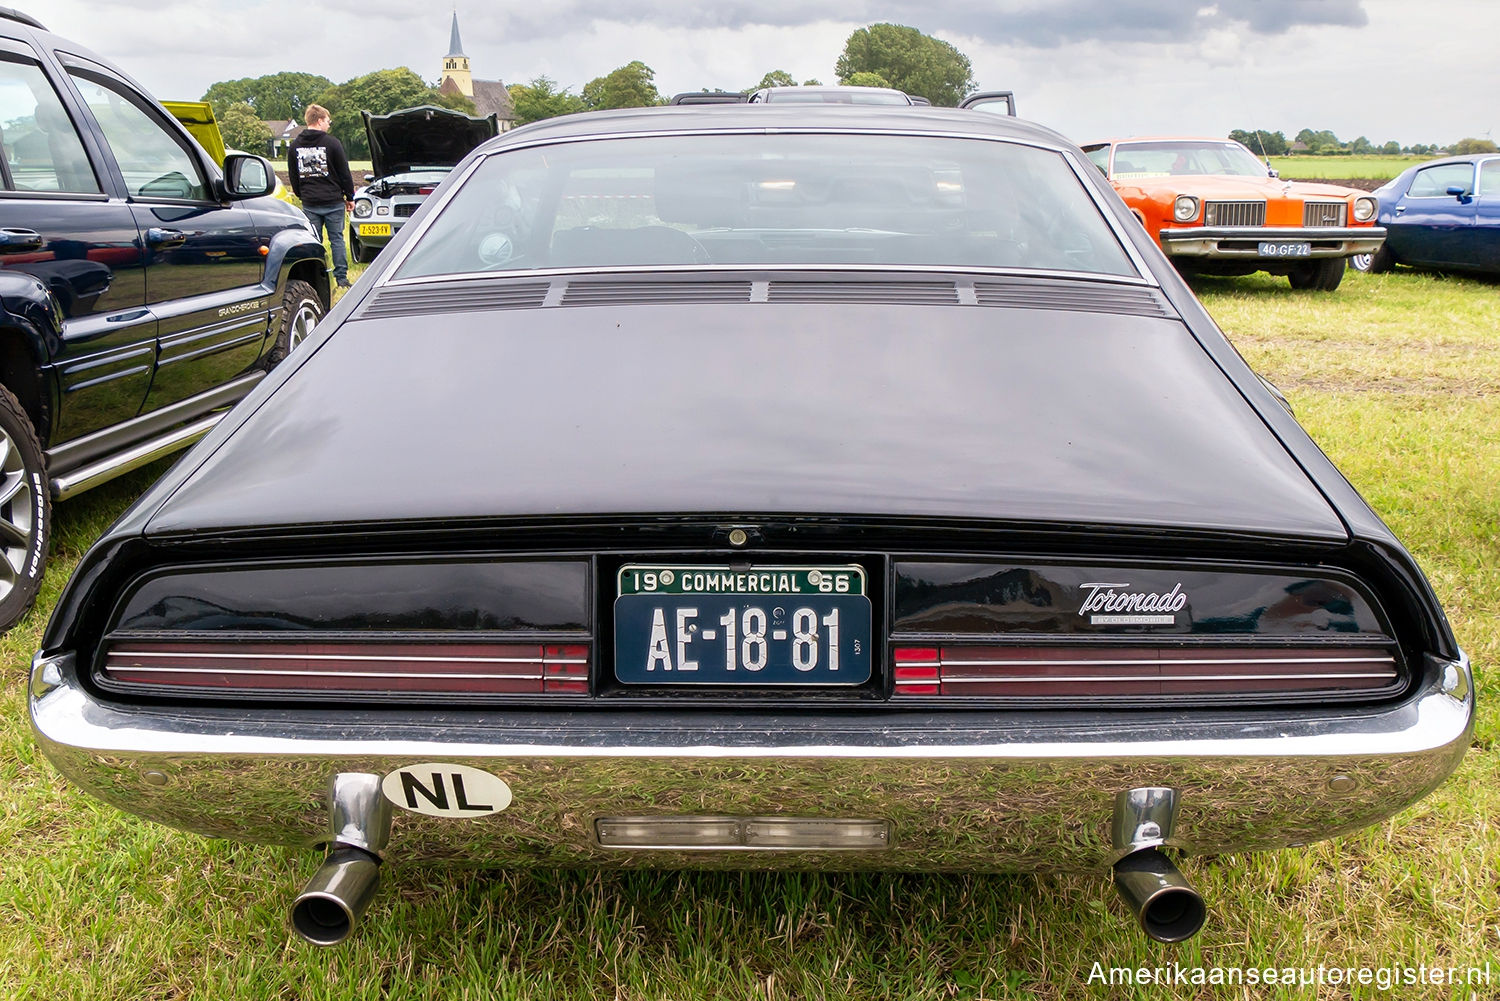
pixel 1362 146
pixel 276 96
pixel 775 78
pixel 542 98
pixel 243 129
pixel 1260 142
pixel 1392 148
pixel 865 78
pixel 909 60
pixel 1322 141
pixel 379 93
pixel 631 86
pixel 1469 144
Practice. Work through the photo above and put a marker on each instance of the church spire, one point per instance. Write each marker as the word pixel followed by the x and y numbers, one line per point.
pixel 455 45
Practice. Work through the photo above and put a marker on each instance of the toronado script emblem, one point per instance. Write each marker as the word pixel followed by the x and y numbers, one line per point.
pixel 1110 605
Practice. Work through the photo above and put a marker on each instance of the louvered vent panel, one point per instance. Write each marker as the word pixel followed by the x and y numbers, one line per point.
pixel 1323 213
pixel 454 298
pixel 1234 213
pixel 895 293
pixel 1080 297
pixel 642 293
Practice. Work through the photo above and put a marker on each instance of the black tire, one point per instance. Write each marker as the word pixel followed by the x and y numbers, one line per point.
pixel 25 512
pixel 359 251
pixel 1322 275
pixel 1377 263
pixel 301 309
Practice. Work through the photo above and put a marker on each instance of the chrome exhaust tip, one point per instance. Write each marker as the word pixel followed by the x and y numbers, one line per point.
pixel 334 900
pixel 1159 895
pixel 359 821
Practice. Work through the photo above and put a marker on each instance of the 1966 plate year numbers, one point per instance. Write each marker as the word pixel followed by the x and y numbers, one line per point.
pixel 749 626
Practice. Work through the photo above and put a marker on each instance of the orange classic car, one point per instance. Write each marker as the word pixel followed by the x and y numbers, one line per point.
pixel 1216 209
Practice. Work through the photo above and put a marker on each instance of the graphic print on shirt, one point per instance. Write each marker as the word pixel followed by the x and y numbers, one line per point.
pixel 312 161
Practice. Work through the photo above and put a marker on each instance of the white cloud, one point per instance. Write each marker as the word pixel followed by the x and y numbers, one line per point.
pixel 1085 67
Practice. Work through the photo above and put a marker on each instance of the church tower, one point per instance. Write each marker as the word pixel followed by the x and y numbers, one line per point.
pixel 456 64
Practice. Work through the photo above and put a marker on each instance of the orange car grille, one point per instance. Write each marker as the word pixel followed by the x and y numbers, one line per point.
pixel 1234 213
pixel 1323 213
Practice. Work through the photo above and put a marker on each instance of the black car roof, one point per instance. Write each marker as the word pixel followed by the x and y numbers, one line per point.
pixel 836 117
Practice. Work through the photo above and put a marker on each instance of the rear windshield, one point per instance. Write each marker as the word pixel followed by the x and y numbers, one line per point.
pixel 770 200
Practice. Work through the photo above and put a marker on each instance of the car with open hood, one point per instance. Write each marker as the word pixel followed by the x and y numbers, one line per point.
pixel 411 151
pixel 816 486
pixel 1215 209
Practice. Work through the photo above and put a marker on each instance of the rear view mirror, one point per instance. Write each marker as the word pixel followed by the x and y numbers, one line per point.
pixel 247 176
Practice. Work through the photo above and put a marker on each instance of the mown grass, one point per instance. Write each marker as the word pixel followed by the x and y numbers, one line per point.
pixel 1373 167
pixel 1397 376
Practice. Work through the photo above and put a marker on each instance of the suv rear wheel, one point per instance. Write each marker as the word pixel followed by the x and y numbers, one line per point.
pixel 25 512
pixel 301 309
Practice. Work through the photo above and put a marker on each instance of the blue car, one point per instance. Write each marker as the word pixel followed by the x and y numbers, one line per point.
pixel 1443 215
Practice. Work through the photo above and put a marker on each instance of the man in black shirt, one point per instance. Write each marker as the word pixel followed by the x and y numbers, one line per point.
pixel 320 177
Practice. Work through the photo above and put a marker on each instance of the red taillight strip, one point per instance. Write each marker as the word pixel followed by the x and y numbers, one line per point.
pixel 1075 671
pixel 514 668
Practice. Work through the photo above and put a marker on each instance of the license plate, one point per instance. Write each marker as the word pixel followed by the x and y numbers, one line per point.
pixel 1270 249
pixel 760 626
pixel 374 229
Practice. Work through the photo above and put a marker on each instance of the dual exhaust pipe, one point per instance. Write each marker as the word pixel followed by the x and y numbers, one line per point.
pixel 329 908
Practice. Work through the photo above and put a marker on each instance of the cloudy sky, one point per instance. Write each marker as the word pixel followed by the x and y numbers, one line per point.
pixel 1412 70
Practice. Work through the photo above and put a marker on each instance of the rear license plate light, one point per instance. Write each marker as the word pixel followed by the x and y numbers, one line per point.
pixel 744 833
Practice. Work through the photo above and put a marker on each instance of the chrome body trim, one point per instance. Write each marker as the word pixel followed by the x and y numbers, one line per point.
pixel 87 477
pixel 79 451
pixel 1204 241
pixel 979 791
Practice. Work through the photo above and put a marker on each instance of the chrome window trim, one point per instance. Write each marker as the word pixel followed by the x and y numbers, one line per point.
pixel 1143 274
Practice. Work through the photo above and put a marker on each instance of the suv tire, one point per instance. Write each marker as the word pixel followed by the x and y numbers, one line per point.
pixel 25 511
pixel 301 309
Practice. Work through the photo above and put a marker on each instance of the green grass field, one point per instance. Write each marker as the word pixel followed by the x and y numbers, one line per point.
pixel 1398 378
pixel 1381 168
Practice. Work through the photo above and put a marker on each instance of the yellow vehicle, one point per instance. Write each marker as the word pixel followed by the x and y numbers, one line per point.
pixel 198 118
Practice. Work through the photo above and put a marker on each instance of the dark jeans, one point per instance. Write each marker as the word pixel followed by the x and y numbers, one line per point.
pixel 331 217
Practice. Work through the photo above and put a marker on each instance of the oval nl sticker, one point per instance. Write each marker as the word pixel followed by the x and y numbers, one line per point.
pixel 439 790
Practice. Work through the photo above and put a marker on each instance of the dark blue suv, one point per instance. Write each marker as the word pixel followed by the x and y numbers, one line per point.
pixel 143 290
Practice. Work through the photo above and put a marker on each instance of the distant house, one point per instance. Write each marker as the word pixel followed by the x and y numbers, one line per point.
pixel 489 96
pixel 1298 147
pixel 282 134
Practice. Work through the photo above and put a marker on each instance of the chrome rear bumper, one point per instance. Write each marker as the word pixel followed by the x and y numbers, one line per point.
pixel 982 792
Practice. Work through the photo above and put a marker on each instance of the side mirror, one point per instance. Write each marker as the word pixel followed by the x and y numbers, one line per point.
pixel 1459 192
pixel 1272 171
pixel 369 178
pixel 247 176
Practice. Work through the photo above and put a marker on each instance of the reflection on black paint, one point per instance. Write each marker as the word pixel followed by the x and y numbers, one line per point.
pixel 1046 598
pixel 474 596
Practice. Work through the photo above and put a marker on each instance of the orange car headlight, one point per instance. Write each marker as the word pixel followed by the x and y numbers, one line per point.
pixel 1185 208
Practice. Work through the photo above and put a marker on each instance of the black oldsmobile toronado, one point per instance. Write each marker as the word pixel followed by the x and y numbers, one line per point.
pixel 837 487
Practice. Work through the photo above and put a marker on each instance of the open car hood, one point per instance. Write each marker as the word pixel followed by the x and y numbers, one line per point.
pixel 425 136
pixel 198 118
